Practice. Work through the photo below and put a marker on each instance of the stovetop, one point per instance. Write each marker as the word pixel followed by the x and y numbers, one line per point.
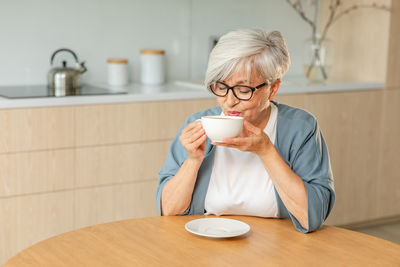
pixel 36 91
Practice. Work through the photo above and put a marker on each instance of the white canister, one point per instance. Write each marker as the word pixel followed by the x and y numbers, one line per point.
pixel 152 66
pixel 117 69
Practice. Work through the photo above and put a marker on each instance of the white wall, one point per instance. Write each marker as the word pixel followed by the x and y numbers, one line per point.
pixel 30 31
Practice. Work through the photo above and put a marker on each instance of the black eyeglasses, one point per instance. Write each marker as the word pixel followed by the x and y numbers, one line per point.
pixel 241 92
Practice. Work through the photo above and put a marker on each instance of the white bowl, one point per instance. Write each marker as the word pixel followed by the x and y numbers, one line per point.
pixel 219 127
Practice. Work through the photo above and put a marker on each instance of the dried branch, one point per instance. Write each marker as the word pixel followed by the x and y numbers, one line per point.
pixel 334 15
pixel 299 9
pixel 316 12
pixel 332 18
pixel 355 7
pixel 333 9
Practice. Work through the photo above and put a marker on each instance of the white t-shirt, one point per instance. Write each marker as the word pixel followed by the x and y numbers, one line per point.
pixel 239 183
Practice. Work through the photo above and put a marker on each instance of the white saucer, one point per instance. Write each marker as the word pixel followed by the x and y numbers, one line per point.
pixel 217 227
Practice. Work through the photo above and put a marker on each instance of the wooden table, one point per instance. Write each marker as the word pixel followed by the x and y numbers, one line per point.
pixel 163 241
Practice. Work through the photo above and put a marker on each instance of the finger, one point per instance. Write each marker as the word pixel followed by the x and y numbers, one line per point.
pixel 231 142
pixel 238 141
pixel 187 140
pixel 227 145
pixel 191 126
pixel 199 141
pixel 219 144
pixel 251 128
pixel 191 129
pixel 194 135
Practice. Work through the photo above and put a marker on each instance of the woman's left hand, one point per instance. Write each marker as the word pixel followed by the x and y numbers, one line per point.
pixel 252 139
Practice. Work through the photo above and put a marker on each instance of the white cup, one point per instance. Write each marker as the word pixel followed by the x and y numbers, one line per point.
pixel 219 127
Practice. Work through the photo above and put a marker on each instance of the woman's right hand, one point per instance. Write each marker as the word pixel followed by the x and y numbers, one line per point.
pixel 177 192
pixel 193 139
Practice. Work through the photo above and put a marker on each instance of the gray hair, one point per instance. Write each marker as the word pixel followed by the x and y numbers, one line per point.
pixel 253 49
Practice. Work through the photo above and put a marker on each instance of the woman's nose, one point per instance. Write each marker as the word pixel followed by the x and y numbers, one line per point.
pixel 231 98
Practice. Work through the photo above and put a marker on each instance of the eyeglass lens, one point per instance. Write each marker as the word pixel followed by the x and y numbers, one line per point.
pixel 241 92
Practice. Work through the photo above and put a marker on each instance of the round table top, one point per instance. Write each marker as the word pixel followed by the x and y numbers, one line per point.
pixel 164 241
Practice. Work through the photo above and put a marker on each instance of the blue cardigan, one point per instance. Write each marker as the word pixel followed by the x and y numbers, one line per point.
pixel 299 142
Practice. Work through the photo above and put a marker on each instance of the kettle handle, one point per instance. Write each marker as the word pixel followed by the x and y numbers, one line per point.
pixel 66 50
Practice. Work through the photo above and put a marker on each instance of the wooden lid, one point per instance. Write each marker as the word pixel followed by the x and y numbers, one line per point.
pixel 152 52
pixel 117 60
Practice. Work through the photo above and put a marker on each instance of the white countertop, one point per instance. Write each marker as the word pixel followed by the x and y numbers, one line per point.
pixel 177 90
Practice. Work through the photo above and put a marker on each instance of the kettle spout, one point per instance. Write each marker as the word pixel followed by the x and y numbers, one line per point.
pixel 82 68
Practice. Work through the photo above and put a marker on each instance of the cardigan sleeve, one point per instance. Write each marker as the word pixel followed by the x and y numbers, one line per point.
pixel 175 158
pixel 177 154
pixel 311 162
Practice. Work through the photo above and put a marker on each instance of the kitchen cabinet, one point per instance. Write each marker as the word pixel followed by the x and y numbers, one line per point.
pixel 361 130
pixel 36 129
pixel 67 167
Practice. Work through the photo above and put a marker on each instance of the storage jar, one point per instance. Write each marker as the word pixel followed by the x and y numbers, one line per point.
pixel 152 66
pixel 117 71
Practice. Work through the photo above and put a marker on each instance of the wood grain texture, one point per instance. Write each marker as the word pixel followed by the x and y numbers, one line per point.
pixel 135 200
pixel 388 186
pixel 119 163
pixel 36 129
pixel 393 64
pixel 36 172
pixel 25 220
pixel 134 122
pixel 163 241
pixel 102 204
pixel 93 205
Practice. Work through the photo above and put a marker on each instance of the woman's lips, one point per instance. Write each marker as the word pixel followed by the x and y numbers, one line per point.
pixel 233 113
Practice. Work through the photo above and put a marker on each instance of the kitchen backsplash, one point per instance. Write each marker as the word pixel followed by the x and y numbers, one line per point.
pixel 99 29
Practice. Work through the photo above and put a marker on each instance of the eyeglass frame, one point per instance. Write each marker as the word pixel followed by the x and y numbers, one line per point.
pixel 238 85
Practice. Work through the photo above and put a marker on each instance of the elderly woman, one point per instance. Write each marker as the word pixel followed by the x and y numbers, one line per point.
pixel 277 168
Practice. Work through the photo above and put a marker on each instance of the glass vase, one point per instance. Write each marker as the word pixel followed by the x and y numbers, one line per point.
pixel 318 61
